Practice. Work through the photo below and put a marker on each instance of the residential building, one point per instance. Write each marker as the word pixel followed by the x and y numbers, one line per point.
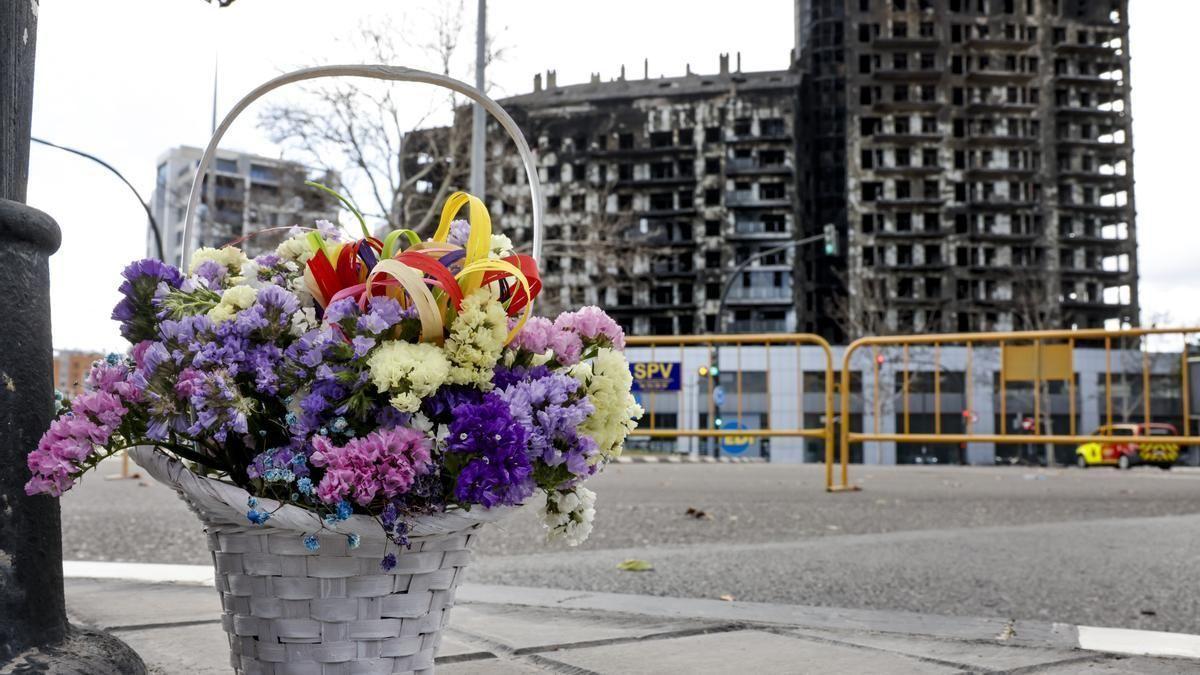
pixel 71 368
pixel 244 194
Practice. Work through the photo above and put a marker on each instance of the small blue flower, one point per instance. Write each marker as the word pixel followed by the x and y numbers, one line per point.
pixel 388 563
pixel 311 542
pixel 257 517
pixel 290 418
pixel 339 425
pixel 353 540
pixel 344 510
pixel 279 476
pixel 304 486
pixel 113 358
pixel 252 502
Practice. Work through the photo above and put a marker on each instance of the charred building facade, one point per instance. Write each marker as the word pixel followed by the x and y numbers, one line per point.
pixel 656 189
pixel 977 154
pixel 974 157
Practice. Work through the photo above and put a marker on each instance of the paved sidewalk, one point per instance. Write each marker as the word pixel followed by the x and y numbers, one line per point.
pixel 504 629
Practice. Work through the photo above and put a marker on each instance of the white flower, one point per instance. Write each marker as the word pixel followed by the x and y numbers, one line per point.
pixel 608 382
pixel 501 246
pixel 568 515
pixel 296 249
pixel 304 320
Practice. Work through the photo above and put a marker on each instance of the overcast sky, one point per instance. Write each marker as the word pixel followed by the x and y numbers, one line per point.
pixel 126 81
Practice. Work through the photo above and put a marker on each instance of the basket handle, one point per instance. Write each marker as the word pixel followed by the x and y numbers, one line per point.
pixel 379 72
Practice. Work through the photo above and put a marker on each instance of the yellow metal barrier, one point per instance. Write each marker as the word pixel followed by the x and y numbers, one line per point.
pixel 668 343
pixel 1030 356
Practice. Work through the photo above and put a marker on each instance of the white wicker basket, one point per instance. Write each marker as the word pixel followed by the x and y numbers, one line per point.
pixel 332 611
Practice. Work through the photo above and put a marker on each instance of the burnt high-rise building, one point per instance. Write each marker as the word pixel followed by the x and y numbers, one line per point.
pixel 977 156
pixel 974 158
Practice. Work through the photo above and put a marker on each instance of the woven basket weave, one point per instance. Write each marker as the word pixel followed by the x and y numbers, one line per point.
pixel 333 611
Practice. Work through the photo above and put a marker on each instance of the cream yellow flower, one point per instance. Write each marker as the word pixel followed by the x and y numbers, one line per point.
pixel 409 371
pixel 230 257
pixel 233 300
pixel 608 382
pixel 476 339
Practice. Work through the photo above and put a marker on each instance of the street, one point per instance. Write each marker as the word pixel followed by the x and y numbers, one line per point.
pixel 1098 547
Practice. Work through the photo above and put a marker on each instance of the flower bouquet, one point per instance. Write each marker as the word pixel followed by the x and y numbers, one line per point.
pixel 343 414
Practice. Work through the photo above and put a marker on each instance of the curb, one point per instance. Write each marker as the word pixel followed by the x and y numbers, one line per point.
pixel 993 630
pixel 686 459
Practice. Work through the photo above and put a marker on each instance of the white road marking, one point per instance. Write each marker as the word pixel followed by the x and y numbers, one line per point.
pixel 1139 642
pixel 149 572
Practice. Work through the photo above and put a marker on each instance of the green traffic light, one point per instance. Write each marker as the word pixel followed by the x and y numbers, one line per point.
pixel 714 371
pixel 717 422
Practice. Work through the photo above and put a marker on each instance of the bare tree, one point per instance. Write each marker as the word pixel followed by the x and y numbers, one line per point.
pixel 397 165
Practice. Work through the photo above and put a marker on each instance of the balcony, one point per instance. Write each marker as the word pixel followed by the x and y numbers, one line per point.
pixel 1000 106
pixel 753 201
pixel 905 138
pixel 897 75
pixel 909 170
pixel 908 202
pixel 760 295
pixel 1095 178
pixel 907 106
pixel 655 182
pixel 986 76
pixel 772 137
pixel 757 326
pixel 980 234
pixel 744 166
pixel 998 44
pixel 1089 80
pixel 1093 208
pixel 1001 139
pixel 1080 111
pixel 756 229
pixel 999 171
pixel 906 41
pixel 1080 238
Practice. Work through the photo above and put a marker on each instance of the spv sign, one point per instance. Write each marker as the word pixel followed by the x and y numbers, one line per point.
pixel 655 376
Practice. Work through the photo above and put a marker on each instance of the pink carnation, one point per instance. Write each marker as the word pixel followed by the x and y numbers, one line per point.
pixel 592 324
pixel 539 334
pixel 383 462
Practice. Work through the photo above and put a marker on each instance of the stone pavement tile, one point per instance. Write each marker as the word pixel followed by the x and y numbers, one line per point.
pixel 196 650
pixel 488 667
pixel 108 603
pixel 455 645
pixel 739 651
pixel 526 628
pixel 1121 665
pixel 967 653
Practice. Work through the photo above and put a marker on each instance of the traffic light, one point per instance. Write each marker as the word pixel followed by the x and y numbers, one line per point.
pixel 831 240
pixel 702 371
pixel 714 371
pixel 717 422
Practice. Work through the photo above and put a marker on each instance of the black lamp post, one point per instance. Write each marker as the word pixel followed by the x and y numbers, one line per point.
pixel 34 633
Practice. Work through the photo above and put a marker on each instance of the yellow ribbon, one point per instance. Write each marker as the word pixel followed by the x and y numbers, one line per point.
pixel 480 266
pixel 479 243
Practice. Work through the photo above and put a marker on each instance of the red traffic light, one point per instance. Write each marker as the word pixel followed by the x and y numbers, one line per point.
pixel 880 358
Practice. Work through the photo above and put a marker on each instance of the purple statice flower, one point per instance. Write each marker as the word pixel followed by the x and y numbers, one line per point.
pixel 549 408
pixel 68 446
pixel 383 463
pixel 115 379
pixel 219 407
pixel 460 232
pixel 341 309
pixel 499 471
pixel 137 310
pixel 593 325
pixel 388 563
pixel 446 400
pixel 212 272
pixel 504 377
pixel 383 313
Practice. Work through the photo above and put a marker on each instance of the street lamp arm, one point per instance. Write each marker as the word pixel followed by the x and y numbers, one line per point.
pixel 741 267
pixel 149 214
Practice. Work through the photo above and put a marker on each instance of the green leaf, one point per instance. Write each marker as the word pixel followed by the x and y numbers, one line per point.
pixel 635 565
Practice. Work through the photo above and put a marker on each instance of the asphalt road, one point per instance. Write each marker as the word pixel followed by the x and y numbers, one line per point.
pixel 1097 547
